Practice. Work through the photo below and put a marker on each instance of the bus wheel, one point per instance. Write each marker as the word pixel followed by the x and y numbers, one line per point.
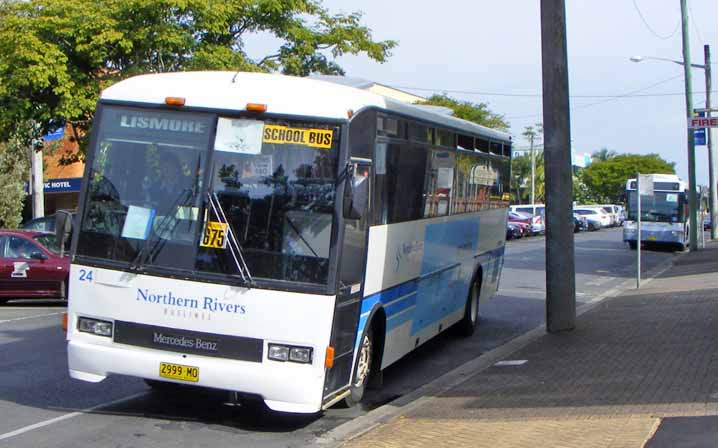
pixel 362 371
pixel 467 325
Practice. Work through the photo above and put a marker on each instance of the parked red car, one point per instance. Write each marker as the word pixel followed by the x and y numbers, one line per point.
pixel 522 220
pixel 31 266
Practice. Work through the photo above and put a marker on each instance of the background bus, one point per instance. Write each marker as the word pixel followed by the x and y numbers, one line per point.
pixel 663 215
pixel 289 249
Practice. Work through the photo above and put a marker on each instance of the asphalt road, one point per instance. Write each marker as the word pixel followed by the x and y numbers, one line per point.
pixel 42 407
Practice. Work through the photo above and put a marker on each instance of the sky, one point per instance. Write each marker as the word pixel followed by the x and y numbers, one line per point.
pixel 487 51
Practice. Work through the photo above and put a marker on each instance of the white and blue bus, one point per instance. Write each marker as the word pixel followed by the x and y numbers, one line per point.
pixel 664 214
pixel 285 238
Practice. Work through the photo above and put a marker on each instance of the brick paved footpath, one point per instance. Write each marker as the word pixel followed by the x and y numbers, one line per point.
pixel 630 362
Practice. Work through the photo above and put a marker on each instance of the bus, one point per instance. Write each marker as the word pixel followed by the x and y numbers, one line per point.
pixel 277 237
pixel 664 215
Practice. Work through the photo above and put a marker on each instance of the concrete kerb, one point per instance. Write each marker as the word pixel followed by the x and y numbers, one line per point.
pixel 406 403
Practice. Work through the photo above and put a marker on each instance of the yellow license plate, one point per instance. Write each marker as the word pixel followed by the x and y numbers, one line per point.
pixel 179 372
pixel 652 238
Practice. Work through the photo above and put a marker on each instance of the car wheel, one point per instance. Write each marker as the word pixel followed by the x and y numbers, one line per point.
pixel 3 301
pixel 633 245
pixel 363 369
pixel 467 325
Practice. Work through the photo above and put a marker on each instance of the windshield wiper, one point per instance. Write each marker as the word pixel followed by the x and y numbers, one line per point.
pixel 234 248
pixel 291 224
pixel 142 256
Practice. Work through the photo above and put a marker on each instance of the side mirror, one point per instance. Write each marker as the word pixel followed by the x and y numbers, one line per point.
pixel 63 228
pixel 37 255
pixel 356 191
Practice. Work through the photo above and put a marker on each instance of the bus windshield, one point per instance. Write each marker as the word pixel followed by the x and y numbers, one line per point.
pixel 662 206
pixel 174 190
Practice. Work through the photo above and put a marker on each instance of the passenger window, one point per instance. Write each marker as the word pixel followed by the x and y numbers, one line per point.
pixel 20 248
pixel 439 183
pixel 400 188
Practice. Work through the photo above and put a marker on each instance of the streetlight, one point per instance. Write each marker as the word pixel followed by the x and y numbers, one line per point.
pixel 711 153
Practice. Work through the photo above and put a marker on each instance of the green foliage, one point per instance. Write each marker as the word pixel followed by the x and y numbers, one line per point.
pixel 57 55
pixel 602 155
pixel 605 180
pixel 521 178
pixel 14 167
pixel 478 113
pixel 581 193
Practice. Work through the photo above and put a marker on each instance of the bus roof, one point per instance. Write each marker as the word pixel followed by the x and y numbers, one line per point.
pixel 663 179
pixel 283 95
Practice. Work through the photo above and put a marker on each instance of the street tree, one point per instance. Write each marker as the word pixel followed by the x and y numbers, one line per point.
pixel 605 181
pixel 521 178
pixel 14 167
pixel 57 55
pixel 602 155
pixel 476 112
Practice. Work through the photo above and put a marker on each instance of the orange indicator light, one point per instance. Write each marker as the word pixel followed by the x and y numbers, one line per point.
pixel 174 101
pixel 329 358
pixel 256 107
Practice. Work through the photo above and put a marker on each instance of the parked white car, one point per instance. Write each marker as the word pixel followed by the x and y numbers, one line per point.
pixel 594 213
pixel 614 211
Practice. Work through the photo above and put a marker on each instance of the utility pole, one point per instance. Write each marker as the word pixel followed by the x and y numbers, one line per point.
pixel 38 186
pixel 533 170
pixel 692 199
pixel 713 200
pixel 560 267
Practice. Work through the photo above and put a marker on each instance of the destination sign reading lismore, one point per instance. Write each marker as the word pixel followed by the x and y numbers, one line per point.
pixel 211 304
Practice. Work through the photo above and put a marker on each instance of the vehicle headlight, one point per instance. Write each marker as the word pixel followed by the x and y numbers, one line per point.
pixel 282 353
pixel 95 326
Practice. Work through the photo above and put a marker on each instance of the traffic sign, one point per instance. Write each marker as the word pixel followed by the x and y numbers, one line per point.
pixel 699 134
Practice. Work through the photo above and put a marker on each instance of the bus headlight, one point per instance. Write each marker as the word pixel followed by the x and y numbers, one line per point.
pixel 300 354
pixel 95 326
pixel 282 353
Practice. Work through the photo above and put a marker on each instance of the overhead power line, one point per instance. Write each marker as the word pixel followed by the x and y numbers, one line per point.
pixel 631 94
pixel 695 24
pixel 539 96
pixel 645 22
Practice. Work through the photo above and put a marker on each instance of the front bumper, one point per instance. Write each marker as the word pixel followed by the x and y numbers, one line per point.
pixel 654 236
pixel 285 387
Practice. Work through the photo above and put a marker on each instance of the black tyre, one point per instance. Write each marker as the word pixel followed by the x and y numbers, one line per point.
pixel 633 245
pixel 362 370
pixel 467 325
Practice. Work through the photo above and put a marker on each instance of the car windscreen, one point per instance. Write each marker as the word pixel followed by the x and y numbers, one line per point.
pixel 49 241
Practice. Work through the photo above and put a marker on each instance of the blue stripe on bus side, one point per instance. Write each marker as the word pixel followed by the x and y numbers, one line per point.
pixel 400 301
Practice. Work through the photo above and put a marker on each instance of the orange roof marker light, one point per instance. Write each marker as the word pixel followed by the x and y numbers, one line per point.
pixel 174 101
pixel 256 107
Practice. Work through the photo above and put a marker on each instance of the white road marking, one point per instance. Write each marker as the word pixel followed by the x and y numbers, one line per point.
pixel 29 317
pixel 51 421
pixel 512 362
